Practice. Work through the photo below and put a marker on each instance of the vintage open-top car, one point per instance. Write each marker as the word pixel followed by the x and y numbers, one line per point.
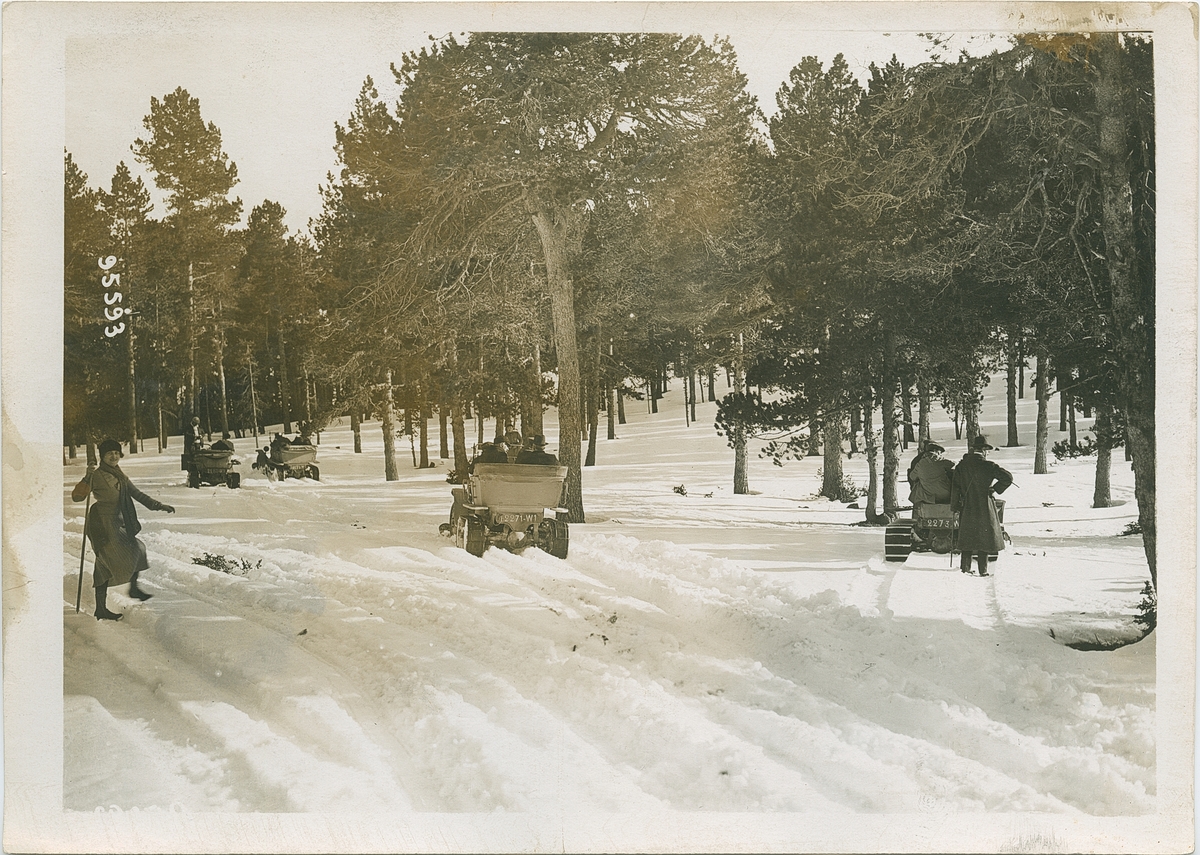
pixel 505 504
pixel 210 466
pixel 932 528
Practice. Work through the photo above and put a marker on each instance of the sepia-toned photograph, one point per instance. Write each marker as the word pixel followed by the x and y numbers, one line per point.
pixel 595 427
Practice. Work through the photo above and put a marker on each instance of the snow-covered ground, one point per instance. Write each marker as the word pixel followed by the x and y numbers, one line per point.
pixel 704 652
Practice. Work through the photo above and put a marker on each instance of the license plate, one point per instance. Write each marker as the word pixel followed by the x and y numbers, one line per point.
pixel 937 523
pixel 515 520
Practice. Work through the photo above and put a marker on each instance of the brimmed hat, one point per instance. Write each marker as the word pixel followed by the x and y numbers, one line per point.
pixel 980 443
pixel 537 441
pixel 110 445
pixel 933 446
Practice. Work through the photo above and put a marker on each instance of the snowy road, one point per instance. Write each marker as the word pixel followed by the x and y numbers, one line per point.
pixel 693 653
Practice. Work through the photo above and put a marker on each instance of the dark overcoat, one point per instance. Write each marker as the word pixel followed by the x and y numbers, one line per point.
pixel 112 527
pixel 930 480
pixel 975 478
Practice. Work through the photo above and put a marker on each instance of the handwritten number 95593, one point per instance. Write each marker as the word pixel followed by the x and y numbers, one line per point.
pixel 112 311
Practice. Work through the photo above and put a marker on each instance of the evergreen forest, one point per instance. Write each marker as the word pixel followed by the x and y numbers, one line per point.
pixel 575 220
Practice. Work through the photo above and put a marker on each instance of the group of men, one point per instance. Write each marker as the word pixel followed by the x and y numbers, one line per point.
pixel 509 448
pixel 970 489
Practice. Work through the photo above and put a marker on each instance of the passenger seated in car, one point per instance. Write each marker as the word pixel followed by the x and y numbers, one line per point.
pixel 493 452
pixel 930 477
pixel 224 443
pixel 535 452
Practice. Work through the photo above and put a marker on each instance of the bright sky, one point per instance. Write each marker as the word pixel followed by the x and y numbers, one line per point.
pixel 276 77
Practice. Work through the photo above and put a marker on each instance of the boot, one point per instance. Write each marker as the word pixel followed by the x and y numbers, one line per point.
pixel 136 592
pixel 102 612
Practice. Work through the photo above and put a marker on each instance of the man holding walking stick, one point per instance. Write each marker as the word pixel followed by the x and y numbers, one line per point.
pixel 112 527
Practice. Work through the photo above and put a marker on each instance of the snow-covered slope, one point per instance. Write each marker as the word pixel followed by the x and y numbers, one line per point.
pixel 698 652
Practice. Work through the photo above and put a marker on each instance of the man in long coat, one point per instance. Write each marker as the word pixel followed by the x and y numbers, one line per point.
pixel 976 479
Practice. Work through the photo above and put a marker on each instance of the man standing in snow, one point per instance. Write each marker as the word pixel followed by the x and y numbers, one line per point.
pixel 976 480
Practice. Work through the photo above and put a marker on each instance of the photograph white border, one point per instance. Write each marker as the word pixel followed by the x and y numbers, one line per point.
pixel 34 36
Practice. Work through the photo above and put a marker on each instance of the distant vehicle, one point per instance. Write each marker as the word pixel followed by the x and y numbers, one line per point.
pixel 932 528
pixel 297 460
pixel 210 466
pixel 505 506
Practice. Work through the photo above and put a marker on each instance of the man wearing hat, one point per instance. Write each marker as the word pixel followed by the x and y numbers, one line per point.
pixel 493 452
pixel 536 452
pixel 112 526
pixel 976 480
pixel 193 437
pixel 930 476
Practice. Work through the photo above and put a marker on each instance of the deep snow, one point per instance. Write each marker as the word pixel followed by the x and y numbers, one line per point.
pixel 698 652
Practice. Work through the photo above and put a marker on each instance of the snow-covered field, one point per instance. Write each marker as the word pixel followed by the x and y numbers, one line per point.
pixel 704 652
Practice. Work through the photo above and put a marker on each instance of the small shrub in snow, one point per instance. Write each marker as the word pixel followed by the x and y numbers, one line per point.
pixel 1147 615
pixel 1064 448
pixel 1131 529
pixel 848 491
pixel 226 564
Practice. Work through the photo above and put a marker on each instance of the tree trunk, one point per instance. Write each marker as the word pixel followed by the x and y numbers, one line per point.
pixel 284 397
pixel 1132 281
pixel 692 391
pixel 923 407
pixel 423 426
pixel 223 403
pixel 741 478
pixel 1062 409
pixel 855 427
pixel 443 437
pixel 906 403
pixel 1043 414
pixel 891 435
pixel 612 412
pixel 872 458
pixel 191 342
pixel 1074 436
pixel 831 482
pixel 162 426
pixel 1021 368
pixel 1013 438
pixel 554 227
pixel 593 403
pixel 356 429
pixel 459 427
pixel 133 402
pixel 1102 495
pixel 620 405
pixel 814 439
pixel 971 407
pixel 390 472
pixel 535 408
pixel 253 398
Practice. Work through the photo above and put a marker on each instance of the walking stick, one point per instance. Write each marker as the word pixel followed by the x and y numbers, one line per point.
pixel 82 551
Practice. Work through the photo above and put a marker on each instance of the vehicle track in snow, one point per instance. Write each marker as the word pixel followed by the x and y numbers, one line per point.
pixel 632 675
